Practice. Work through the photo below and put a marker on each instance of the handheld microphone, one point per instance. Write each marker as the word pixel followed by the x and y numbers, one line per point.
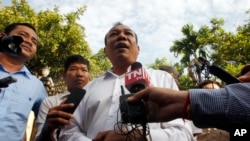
pixel 223 75
pixel 135 80
pixel 135 114
pixel 217 71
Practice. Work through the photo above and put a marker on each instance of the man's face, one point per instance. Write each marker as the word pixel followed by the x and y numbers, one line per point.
pixel 121 45
pixel 29 45
pixel 77 75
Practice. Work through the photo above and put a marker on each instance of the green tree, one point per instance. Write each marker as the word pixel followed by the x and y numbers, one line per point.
pixel 190 47
pixel 100 63
pixel 229 50
pixel 224 49
pixel 59 35
pixel 186 82
pixel 159 62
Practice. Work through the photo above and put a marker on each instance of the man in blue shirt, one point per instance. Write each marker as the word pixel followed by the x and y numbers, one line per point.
pixel 19 98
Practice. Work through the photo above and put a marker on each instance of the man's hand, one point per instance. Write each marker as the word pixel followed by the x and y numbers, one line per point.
pixel 108 136
pixel 245 77
pixel 112 135
pixel 163 104
pixel 57 118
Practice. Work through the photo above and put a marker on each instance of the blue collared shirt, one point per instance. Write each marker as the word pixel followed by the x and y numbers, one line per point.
pixel 16 102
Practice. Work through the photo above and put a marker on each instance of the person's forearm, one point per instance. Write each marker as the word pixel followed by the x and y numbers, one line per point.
pixel 221 108
pixel 207 107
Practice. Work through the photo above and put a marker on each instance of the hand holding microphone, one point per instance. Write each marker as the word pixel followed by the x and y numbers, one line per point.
pixel 135 80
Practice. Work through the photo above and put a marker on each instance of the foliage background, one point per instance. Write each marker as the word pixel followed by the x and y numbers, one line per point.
pixel 60 35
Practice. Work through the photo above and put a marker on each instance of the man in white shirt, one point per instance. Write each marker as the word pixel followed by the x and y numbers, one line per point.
pixel 97 114
pixel 52 113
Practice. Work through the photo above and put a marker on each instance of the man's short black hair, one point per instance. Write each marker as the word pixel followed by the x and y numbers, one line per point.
pixel 116 24
pixel 12 26
pixel 75 59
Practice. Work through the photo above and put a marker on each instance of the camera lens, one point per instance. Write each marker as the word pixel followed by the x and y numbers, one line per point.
pixel 10 44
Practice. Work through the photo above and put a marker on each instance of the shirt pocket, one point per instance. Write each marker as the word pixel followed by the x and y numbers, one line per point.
pixel 20 105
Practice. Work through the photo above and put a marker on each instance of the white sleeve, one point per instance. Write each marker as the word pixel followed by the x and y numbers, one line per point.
pixel 175 130
pixel 41 117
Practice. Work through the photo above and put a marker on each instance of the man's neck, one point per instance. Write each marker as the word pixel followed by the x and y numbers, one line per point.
pixel 11 64
pixel 119 70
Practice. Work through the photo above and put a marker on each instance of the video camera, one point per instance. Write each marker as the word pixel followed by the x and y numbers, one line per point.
pixel 11 44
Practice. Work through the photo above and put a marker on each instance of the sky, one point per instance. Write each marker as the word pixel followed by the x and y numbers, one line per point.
pixel 157 22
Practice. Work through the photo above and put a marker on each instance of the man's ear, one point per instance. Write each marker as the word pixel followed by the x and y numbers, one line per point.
pixel 138 49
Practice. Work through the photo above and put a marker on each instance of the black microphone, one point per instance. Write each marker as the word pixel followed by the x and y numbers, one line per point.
pixel 135 113
pixel 223 75
pixel 135 80
pixel 218 72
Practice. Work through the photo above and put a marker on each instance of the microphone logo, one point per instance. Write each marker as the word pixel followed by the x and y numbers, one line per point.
pixel 134 74
pixel 137 80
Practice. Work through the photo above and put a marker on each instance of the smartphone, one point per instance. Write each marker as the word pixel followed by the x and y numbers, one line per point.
pixel 75 97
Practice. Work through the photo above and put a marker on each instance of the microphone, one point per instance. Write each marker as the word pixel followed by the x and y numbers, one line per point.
pixel 135 114
pixel 223 75
pixel 217 71
pixel 137 79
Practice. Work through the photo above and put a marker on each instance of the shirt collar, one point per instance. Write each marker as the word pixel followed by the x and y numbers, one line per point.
pixel 24 70
pixel 64 95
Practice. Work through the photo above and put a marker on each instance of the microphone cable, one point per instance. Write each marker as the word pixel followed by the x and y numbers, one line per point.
pixel 133 130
